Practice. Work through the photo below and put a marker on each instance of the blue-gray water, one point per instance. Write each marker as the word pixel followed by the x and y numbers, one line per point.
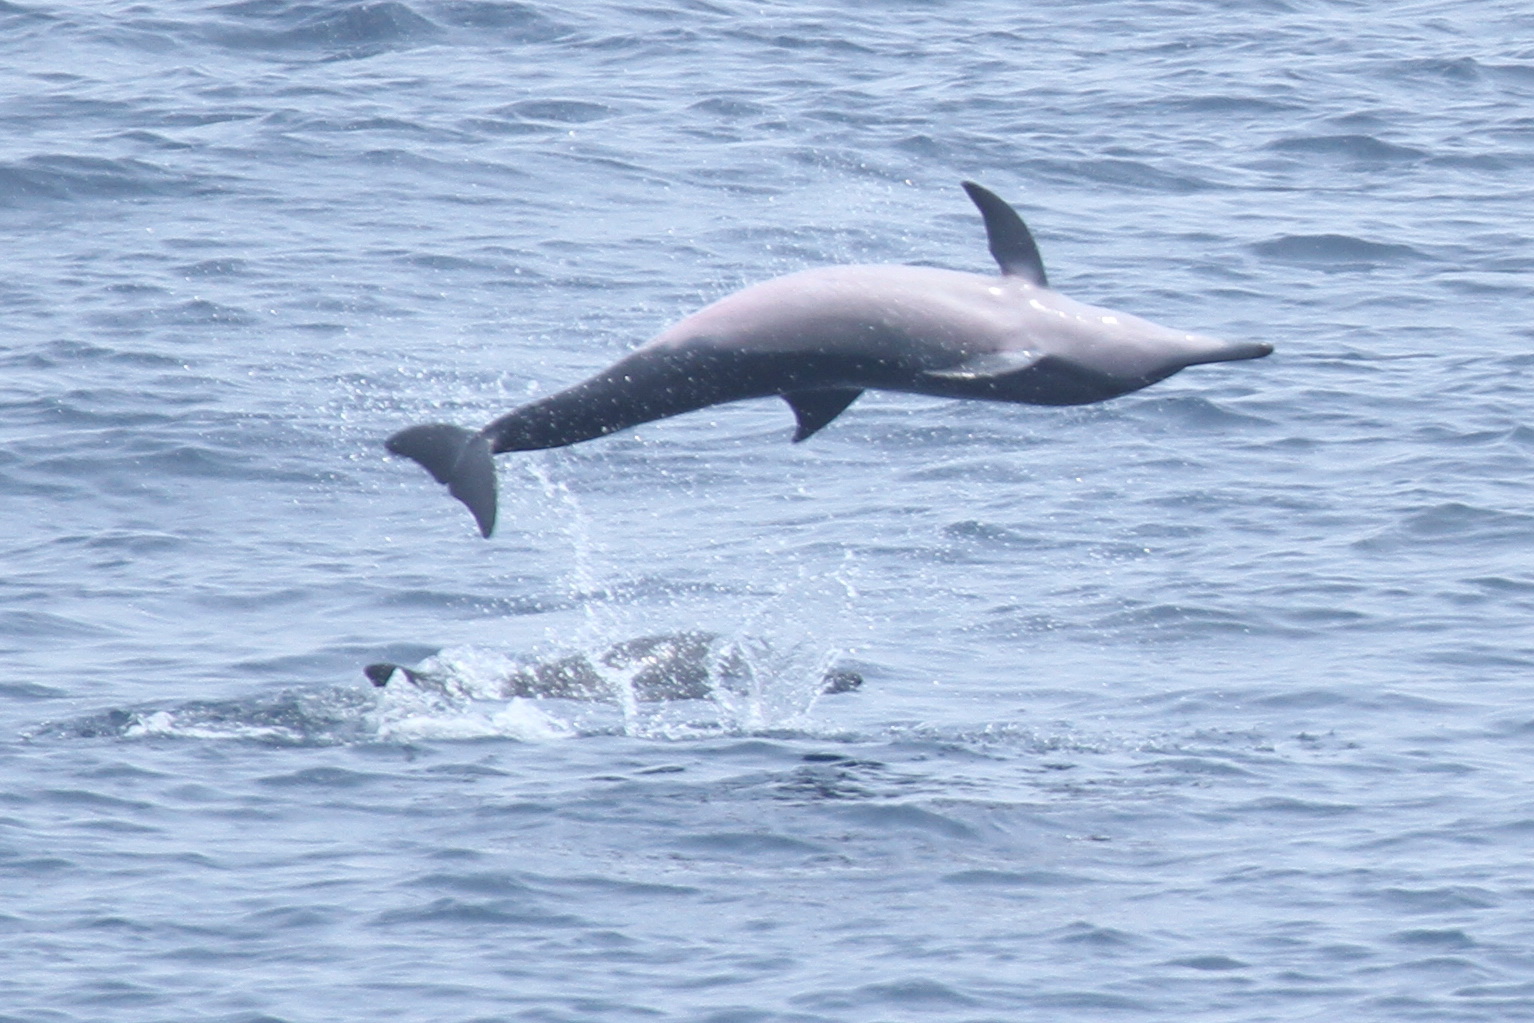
pixel 1210 703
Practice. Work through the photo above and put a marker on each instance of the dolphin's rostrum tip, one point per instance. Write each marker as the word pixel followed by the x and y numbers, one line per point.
pixel 1239 350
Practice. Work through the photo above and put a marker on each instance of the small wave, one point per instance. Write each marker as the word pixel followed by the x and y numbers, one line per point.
pixel 1335 250
pixel 348 32
pixel 11 12
pixel 513 21
pixel 987 535
pixel 71 353
pixel 322 777
pixel 1357 148
pixel 830 781
pixel 1459 70
pixel 61 176
pixel 1191 412
pixel 1210 963
pixel 753 845
pixel 982 878
pixel 486 606
pixel 916 992
pixel 890 818
pixel 475 884
pixel 1152 623
pixel 30 691
pixel 1279 807
pixel 560 111
pixel 1119 173
pixel 190 313
pixel 1447 899
pixel 196 461
pixel 731 108
pixel 1452 522
pixel 1208 766
pixel 1521 75
pixel 456 913
pixel 32 626
pixel 1451 937
pixel 1228 104
pixel 225 267
pixel 1093 935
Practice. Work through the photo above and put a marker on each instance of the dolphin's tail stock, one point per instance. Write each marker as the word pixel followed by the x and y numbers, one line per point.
pixel 457 457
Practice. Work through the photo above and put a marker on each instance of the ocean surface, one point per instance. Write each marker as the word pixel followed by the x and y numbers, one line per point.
pixel 1214 702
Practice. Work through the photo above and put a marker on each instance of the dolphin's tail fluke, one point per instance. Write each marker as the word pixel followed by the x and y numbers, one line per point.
pixel 460 458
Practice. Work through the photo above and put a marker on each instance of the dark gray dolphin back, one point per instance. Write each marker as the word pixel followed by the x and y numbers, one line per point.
pixel 1010 241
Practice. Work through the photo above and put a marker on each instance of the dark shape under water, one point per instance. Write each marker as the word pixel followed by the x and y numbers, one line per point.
pixel 674 666
pixel 288 717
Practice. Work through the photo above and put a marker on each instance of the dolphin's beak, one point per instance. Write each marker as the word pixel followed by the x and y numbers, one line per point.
pixel 1231 351
pixel 1253 350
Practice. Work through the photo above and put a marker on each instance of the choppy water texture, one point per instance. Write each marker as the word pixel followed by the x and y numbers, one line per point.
pixel 1209 703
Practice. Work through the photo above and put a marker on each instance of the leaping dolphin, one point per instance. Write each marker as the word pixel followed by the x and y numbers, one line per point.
pixel 819 338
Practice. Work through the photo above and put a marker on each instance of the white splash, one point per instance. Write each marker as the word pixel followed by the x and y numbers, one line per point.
pixel 406 714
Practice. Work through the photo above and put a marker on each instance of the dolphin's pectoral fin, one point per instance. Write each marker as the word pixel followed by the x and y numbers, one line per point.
pixel 1010 241
pixel 458 457
pixel 814 409
pixel 989 365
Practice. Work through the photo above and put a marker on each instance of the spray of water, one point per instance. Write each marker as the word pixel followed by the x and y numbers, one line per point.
pixel 740 662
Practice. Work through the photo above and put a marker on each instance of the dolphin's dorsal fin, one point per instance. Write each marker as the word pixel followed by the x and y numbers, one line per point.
pixel 1011 243
pixel 988 365
pixel 814 409
pixel 380 674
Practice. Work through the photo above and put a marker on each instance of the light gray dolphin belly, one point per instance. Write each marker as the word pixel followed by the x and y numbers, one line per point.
pixel 819 338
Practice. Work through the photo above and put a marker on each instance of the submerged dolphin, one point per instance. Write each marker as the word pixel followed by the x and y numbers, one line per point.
pixel 673 666
pixel 820 338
